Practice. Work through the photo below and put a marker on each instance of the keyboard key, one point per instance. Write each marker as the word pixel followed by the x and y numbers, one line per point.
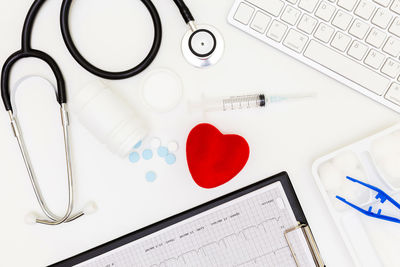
pixel 382 18
pixel 340 41
pixel 307 24
pixel 393 94
pixel 391 68
pixel 392 47
pixel 260 22
pixel 346 67
pixel 395 27
pixel 325 11
pixel 374 59
pixel 357 50
pixel 395 7
pixel 277 30
pixel 383 3
pixel 342 20
pixel 359 29
pixel 274 7
pixel 324 32
pixel 244 13
pixel 290 15
pixel 376 37
pixel 308 5
pixel 365 9
pixel 347 4
pixel 295 40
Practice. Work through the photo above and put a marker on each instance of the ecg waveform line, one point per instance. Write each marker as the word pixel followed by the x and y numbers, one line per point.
pixel 222 240
pixel 261 256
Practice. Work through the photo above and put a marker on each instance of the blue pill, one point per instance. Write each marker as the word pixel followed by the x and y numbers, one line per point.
pixel 134 157
pixel 151 176
pixel 170 159
pixel 147 154
pixel 162 151
pixel 138 145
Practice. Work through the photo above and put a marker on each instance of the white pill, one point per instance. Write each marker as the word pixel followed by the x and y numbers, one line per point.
pixel 173 146
pixel 346 161
pixel 155 142
pixel 330 176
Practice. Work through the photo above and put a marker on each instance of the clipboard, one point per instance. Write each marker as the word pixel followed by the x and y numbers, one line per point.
pixel 302 226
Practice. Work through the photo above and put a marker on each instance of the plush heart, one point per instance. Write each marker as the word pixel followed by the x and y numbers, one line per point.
pixel 214 158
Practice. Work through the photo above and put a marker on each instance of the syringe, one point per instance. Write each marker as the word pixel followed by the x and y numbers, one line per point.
pixel 238 102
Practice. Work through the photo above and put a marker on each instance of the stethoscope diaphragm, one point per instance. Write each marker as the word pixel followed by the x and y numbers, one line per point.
pixel 203 46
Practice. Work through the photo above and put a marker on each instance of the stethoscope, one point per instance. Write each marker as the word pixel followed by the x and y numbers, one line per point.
pixel 202 46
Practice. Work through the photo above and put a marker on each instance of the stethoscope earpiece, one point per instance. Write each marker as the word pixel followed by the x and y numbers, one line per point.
pixel 202 45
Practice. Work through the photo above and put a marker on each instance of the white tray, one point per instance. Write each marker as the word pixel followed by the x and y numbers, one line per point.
pixel 370 241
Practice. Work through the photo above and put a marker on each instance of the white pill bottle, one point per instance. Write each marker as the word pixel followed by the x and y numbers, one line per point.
pixel 109 118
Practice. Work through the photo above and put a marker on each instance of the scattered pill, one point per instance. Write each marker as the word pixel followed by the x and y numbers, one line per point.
pixel 173 146
pixel 151 176
pixel 147 154
pixel 134 157
pixel 170 159
pixel 138 145
pixel 162 151
pixel 155 142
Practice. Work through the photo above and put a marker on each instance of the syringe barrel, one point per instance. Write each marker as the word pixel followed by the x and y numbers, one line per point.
pixel 243 102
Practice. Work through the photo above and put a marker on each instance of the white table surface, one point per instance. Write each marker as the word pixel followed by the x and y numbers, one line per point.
pixel 115 35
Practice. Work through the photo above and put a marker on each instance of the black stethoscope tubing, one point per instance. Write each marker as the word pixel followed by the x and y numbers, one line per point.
pixel 65 8
pixel 27 51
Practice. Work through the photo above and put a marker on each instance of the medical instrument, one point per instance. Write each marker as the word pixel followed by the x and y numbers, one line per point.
pixel 381 195
pixel 241 102
pixel 359 232
pixel 204 43
pixel 25 52
pixel 109 118
pixel 356 42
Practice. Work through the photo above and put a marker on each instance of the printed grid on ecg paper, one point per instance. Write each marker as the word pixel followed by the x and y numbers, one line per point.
pixel 248 231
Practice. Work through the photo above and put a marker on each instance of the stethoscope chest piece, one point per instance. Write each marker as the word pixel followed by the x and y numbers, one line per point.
pixel 203 46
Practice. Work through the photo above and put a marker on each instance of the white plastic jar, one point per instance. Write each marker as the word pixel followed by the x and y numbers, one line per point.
pixel 109 118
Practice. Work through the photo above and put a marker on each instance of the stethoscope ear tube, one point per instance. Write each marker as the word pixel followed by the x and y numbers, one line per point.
pixel 64 17
pixel 31 53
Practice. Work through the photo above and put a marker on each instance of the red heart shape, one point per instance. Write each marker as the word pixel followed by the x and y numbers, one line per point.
pixel 214 158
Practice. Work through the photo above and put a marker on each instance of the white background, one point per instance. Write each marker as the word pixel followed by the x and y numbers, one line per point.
pixel 116 35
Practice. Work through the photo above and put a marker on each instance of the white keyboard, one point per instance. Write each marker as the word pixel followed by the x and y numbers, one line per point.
pixel 357 42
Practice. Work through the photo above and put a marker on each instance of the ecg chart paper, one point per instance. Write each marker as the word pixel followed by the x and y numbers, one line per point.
pixel 247 231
